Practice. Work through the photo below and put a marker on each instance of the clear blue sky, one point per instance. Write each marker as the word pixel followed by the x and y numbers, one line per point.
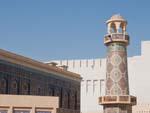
pixel 68 29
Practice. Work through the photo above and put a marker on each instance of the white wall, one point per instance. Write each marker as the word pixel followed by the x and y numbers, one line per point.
pixel 139 74
pixel 93 72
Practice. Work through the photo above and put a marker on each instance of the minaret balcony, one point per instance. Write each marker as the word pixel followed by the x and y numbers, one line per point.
pixel 124 99
pixel 116 37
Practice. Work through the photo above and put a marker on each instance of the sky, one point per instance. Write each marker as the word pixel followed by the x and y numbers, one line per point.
pixel 68 29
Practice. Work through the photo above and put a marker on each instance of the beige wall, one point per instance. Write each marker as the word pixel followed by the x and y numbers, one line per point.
pixel 141 108
pixel 31 103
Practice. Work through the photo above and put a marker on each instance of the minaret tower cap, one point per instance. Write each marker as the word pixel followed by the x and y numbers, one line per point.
pixel 116 17
pixel 116 24
pixel 116 30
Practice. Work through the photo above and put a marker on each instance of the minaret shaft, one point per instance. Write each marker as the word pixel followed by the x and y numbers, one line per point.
pixel 117 73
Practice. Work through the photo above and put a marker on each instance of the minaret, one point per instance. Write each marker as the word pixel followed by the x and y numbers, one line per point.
pixel 117 98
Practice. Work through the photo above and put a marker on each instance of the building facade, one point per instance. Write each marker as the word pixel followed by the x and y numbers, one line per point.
pixel 28 104
pixel 23 76
pixel 93 72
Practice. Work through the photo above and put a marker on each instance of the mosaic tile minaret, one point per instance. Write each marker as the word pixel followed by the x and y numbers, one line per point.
pixel 117 98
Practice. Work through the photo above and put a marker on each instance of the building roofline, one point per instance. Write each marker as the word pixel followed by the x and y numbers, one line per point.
pixel 28 62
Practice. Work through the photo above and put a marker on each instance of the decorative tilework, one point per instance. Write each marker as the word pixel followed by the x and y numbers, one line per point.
pixel 118 109
pixel 116 59
pixel 115 75
pixel 116 82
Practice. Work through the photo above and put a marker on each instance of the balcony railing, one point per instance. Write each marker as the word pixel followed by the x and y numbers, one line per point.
pixel 116 37
pixel 125 99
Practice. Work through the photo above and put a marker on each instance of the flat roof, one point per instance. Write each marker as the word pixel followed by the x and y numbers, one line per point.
pixel 28 62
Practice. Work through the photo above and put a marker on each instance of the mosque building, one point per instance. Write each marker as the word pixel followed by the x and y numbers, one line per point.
pixel 29 86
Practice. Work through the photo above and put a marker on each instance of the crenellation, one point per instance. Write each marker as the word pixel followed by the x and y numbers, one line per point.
pixel 73 65
pixel 83 63
pixel 145 49
pixel 93 63
pixel 67 63
pixel 78 63
pixel 61 62
pixel 98 63
pixel 87 63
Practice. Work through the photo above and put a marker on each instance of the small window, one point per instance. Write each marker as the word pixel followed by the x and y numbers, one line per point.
pixel 3 111
pixel 21 110
pixel 51 91
pixel 25 87
pixel 68 100
pixel 15 85
pixel 3 83
pixel 39 91
pixel 43 110
pixel 75 101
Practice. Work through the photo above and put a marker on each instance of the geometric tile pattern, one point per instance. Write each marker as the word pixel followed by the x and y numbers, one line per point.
pixel 118 109
pixel 117 72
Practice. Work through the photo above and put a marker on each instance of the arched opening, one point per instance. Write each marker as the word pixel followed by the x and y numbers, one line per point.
pixel 39 91
pixel 51 91
pixel 29 88
pixel 15 87
pixel 25 88
pixel 121 28
pixel 113 28
pixel 61 96
pixel 76 100
pixel 3 86
pixel 68 100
